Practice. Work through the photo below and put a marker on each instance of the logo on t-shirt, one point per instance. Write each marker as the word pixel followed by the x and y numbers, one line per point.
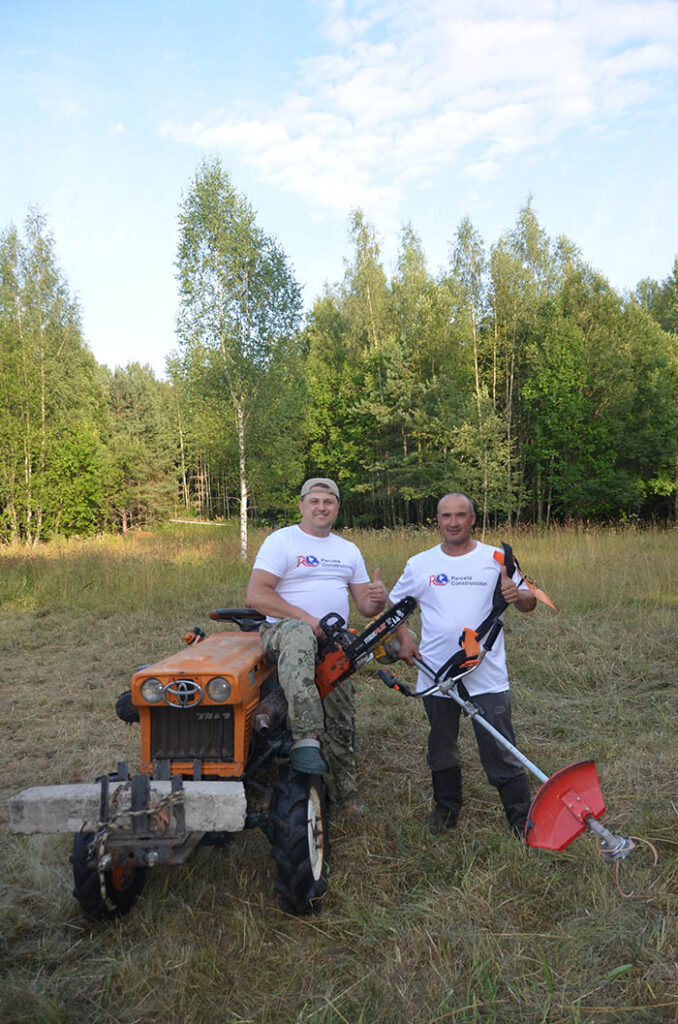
pixel 442 580
pixel 308 560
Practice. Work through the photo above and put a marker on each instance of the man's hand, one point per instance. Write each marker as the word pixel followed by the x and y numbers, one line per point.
pixel 370 598
pixel 376 591
pixel 509 590
pixel 524 600
pixel 409 648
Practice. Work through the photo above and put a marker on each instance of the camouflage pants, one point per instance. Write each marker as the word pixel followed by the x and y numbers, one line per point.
pixel 293 646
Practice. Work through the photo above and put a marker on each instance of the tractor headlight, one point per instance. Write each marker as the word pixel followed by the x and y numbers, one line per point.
pixel 151 691
pixel 219 689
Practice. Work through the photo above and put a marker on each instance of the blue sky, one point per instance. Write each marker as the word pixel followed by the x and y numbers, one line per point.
pixel 420 111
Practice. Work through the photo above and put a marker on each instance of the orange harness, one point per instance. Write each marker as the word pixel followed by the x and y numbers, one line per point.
pixel 470 653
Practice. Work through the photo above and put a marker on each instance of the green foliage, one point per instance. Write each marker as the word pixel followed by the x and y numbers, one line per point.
pixel 661 301
pixel 238 331
pixel 141 448
pixel 521 377
pixel 76 481
pixel 599 401
pixel 82 448
pixel 50 417
pixel 518 375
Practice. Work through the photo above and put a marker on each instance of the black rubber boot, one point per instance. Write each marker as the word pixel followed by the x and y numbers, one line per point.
pixel 447 797
pixel 515 796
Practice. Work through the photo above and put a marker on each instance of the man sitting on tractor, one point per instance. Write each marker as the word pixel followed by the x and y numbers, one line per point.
pixel 300 574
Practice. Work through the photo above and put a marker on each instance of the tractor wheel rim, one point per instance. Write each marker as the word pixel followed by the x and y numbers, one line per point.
pixel 316 833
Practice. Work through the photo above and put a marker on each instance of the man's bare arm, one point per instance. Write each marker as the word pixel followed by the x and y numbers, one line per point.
pixel 409 648
pixel 262 595
pixel 370 598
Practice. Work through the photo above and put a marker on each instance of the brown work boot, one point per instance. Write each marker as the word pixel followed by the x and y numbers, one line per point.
pixel 440 819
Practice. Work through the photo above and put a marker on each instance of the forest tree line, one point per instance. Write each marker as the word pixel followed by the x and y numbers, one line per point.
pixel 517 374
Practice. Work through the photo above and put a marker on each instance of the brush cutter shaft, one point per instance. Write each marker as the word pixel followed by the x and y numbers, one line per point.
pixel 611 847
pixel 473 712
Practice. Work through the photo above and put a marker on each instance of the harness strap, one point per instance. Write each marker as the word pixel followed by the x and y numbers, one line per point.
pixel 469 641
pixel 499 605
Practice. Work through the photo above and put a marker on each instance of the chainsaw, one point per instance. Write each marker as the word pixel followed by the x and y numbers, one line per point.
pixel 342 651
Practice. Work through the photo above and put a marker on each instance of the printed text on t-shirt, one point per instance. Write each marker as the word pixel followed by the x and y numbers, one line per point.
pixel 310 561
pixel 441 579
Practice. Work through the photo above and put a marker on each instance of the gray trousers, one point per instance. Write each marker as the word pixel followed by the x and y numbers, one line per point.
pixel 443 750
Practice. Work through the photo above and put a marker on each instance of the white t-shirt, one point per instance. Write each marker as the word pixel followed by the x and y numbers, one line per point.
pixel 314 572
pixel 455 592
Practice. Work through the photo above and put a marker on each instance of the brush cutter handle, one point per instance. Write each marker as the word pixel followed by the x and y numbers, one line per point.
pixel 448 688
pixel 473 712
pixel 394 683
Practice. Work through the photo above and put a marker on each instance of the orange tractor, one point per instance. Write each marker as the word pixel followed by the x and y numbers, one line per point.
pixel 214 761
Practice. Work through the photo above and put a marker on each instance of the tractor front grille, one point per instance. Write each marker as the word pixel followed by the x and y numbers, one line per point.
pixel 186 734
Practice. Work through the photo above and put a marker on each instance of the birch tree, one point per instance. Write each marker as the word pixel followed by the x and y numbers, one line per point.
pixel 239 301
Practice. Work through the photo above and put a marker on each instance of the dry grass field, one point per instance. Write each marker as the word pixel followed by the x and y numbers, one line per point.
pixel 469 927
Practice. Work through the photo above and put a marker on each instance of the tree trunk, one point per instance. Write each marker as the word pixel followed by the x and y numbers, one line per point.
pixel 510 371
pixel 485 489
pixel 495 340
pixel 476 370
pixel 240 423
pixel 184 481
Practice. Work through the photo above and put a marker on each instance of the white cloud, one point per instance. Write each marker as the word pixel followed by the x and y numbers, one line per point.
pixel 60 109
pixel 654 57
pixel 410 86
pixel 483 171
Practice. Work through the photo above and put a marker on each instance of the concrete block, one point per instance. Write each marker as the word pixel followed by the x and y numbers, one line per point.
pixel 209 806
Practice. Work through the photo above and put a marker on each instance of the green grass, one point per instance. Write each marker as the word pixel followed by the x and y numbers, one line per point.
pixel 470 928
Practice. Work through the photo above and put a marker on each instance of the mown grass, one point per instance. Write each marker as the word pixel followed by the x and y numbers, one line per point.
pixel 471 927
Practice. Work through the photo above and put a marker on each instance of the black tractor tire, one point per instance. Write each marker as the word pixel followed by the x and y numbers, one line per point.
pixel 298 830
pixel 124 708
pixel 122 884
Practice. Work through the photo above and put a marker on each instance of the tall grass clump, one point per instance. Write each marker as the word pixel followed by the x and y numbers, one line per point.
pixel 466 928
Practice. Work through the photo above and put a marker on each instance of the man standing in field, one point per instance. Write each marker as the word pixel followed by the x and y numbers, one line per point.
pixel 454 584
pixel 300 574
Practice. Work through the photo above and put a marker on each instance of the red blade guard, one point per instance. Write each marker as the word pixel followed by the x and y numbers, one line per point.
pixel 560 808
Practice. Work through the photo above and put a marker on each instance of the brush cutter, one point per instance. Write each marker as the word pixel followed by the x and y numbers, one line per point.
pixel 568 803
